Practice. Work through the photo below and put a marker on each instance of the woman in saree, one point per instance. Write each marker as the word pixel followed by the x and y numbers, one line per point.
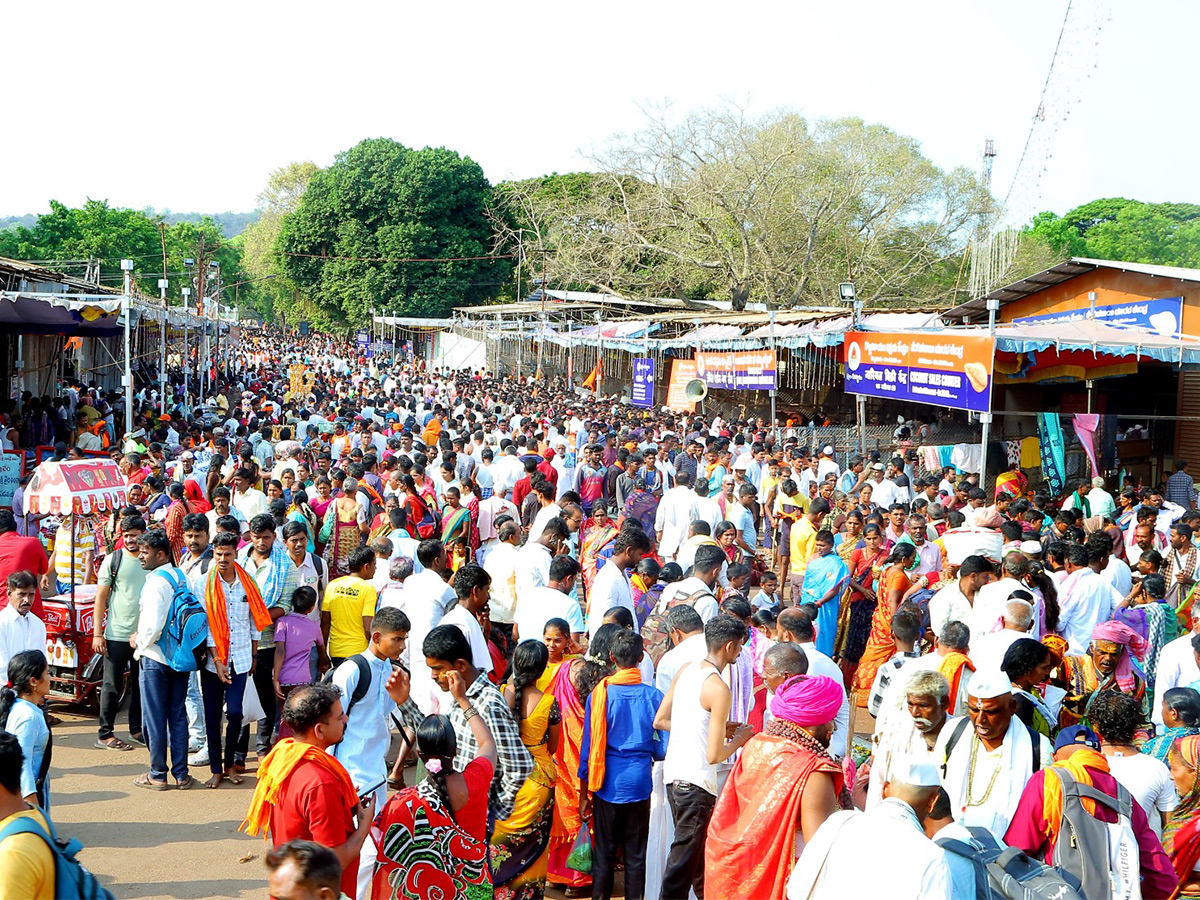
pixel 789 506
pixel 865 567
pixel 340 532
pixel 426 489
pixel 1144 611
pixel 320 503
pixel 559 647
pixel 898 582
pixel 726 537
pixel 572 686
pixel 300 511
pixel 599 538
pixel 432 838
pixel 1181 835
pixel 419 518
pixel 1181 718
pixel 456 530
pixel 521 843
pixel 195 497
pixel 824 579
pixel 469 498
pixel 640 507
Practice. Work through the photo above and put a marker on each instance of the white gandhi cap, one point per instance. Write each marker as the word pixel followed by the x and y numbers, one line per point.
pixel 915 772
pixel 988 684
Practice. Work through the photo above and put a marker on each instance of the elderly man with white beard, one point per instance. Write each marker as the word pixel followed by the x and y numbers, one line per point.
pixel 911 734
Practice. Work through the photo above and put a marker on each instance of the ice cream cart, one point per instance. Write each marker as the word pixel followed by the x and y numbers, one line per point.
pixel 79 487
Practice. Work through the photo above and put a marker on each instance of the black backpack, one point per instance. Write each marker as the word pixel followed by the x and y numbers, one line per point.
pixel 364 680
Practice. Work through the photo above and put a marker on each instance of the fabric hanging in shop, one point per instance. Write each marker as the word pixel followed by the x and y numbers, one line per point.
pixel 1054 458
pixel 930 459
pixel 1085 429
pixel 1031 453
pixel 966 457
pixel 1012 451
pixel 1108 444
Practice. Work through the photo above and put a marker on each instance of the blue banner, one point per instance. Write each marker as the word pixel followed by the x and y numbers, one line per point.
pixel 1161 316
pixel 643 382
pixel 1054 458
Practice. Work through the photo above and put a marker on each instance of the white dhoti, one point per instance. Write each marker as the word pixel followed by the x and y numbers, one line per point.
pixel 662 832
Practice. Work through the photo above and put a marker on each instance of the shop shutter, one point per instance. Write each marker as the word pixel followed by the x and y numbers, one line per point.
pixel 1187 433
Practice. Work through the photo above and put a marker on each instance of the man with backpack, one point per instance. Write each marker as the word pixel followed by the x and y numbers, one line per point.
pixel 1105 830
pixel 164 680
pixel 120 588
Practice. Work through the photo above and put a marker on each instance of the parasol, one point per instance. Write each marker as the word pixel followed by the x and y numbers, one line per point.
pixel 83 486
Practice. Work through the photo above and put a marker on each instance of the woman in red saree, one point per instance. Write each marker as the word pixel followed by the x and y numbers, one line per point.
pixel 1181 836
pixel 432 838
pixel 597 539
pixel 865 566
pixel 341 533
pixel 571 687
pixel 419 520
pixel 896 585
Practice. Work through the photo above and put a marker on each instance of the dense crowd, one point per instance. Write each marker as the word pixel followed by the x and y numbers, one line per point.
pixel 489 636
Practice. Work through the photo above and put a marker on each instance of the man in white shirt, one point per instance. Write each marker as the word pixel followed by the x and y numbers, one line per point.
pixel 675 514
pixel 987 651
pixel 796 627
pixel 249 501
pixel 701 586
pixel 953 602
pixel 472 585
pixel 537 606
pixel 988 608
pixel 164 720
pixel 533 560
pixel 501 564
pixel 1085 600
pixel 826 465
pixel 611 585
pixel 427 598
pixel 1176 666
pixel 20 629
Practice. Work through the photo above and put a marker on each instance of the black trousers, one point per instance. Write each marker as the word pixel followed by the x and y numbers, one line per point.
pixel 625 825
pixel 691 808
pixel 117 660
pixel 264 684
pixel 217 696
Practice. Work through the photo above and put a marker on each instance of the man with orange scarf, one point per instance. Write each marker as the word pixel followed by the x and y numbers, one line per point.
pixel 615 780
pixel 236 617
pixel 784 781
pixel 303 793
pixel 1035 827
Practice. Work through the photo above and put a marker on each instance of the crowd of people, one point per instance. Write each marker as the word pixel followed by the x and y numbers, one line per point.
pixel 491 636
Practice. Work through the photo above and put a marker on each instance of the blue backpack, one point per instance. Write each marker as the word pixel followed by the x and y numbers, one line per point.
pixel 71 880
pixel 184 639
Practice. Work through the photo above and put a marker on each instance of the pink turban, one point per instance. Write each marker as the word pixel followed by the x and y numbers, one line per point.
pixel 1117 633
pixel 808 700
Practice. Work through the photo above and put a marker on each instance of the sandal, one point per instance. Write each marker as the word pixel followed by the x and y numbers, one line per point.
pixel 186 783
pixel 147 783
pixel 112 743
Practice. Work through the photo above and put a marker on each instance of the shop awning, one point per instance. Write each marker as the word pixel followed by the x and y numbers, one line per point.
pixel 1096 338
pixel 32 312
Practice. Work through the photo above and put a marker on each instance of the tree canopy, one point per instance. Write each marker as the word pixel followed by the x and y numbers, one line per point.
pixel 1126 230
pixel 387 227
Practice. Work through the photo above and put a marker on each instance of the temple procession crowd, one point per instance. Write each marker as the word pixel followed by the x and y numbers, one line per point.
pixel 490 637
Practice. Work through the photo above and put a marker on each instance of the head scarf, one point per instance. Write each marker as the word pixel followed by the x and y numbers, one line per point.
pixel 1135 645
pixel 807 700
pixel 1181 836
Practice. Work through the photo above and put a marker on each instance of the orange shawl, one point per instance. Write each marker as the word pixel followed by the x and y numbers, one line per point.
pixel 275 769
pixel 218 617
pixel 752 834
pixel 599 723
pixel 952 667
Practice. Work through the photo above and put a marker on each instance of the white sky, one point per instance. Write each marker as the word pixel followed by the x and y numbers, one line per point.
pixel 524 87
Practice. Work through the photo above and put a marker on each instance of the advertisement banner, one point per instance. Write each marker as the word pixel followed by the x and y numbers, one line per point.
pixel 744 370
pixel 682 371
pixel 12 467
pixel 1161 316
pixel 643 382
pixel 943 369
pixel 363 341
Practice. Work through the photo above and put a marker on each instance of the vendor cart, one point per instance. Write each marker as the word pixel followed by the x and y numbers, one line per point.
pixel 79 487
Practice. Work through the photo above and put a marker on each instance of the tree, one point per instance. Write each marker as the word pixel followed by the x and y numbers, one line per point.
pixel 1126 230
pixel 403 231
pixel 777 210
pixel 278 294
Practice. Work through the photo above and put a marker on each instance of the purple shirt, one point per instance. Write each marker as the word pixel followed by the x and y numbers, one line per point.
pixel 299 634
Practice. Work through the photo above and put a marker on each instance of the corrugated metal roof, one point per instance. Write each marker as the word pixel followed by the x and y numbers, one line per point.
pixel 34 272
pixel 1065 271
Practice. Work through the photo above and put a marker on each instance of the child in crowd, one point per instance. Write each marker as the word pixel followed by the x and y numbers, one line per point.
pixel 739 582
pixel 768 592
pixel 300 656
pixel 615 775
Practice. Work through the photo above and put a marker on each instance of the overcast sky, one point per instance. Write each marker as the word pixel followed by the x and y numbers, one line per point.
pixel 190 107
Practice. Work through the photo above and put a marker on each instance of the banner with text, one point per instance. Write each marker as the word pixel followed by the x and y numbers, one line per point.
pixel 682 371
pixel 745 370
pixel 643 382
pixel 941 369
pixel 1163 315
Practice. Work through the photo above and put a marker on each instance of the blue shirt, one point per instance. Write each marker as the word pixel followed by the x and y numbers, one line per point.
pixel 633 743
pixel 368 734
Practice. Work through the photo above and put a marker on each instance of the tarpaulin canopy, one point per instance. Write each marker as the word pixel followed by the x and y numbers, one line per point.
pixel 30 312
pixel 1096 338
pixel 83 485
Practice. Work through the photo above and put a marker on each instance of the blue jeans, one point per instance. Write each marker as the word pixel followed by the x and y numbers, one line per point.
pixel 164 721
pixel 195 712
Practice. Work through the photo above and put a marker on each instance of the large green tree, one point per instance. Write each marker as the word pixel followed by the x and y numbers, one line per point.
pixel 279 296
pixel 392 229
pixel 1126 230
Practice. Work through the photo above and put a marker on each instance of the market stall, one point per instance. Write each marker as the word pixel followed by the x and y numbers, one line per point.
pixel 82 488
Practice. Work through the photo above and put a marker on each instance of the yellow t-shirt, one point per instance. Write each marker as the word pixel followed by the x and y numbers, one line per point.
pixel 797 499
pixel 85 542
pixel 348 600
pixel 803 542
pixel 26 863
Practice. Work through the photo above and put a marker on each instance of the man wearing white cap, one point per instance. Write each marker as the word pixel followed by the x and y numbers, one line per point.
pixel 827 465
pixel 904 862
pixel 990 759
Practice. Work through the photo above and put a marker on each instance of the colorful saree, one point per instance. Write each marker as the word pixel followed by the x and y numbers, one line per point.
pixel 521 843
pixel 822 574
pixel 456 535
pixel 341 534
pixel 567 822
pixel 1160 747
pixel 1181 834
pixel 596 541
pixel 880 645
